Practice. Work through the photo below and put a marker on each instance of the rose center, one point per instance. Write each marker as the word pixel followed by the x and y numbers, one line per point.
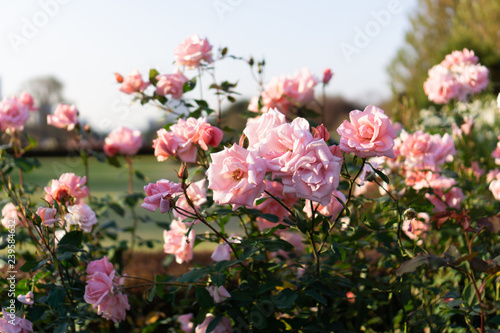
pixel 238 174
pixel 366 132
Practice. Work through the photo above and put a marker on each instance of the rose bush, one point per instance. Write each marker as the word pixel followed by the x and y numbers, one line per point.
pixel 380 229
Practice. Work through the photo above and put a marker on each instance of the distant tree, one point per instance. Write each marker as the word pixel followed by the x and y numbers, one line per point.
pixel 437 28
pixel 47 93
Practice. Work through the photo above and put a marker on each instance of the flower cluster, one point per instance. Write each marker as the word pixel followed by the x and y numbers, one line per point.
pixel 102 290
pixel 69 187
pixel 184 138
pixel 456 77
pixel 15 111
pixel 284 92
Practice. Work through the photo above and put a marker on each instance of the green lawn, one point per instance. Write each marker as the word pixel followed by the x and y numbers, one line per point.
pixel 105 179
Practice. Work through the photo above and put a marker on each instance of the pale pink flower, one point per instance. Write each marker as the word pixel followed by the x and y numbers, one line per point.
pixel 258 128
pixel 123 141
pixel 171 84
pixel 428 179
pixel 369 133
pixel 160 194
pixel 301 87
pixel 475 78
pixel 460 58
pixel 416 228
pixel 27 299
pixel 13 114
pixel 425 151
pixel 442 86
pixel 270 206
pixel 65 116
pixel 81 215
pixel 47 215
pixel 192 51
pixel 477 171
pixel 187 134
pixel 492 174
pixel 27 99
pixel 495 187
pixel 331 209
pixel 10 323
pixel 186 322
pixel 441 201
pixel 11 215
pixel 496 153
pixel 178 243
pixel 114 307
pixel 253 105
pixel 99 285
pixel 102 265
pixel 209 136
pixel 236 176
pixel 219 294
pixel 221 252
pixel 197 194
pixel 223 327
pixel 133 83
pixel 66 187
pixel 327 75
pixel 165 145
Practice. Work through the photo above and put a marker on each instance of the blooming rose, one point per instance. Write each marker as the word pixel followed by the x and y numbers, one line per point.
pixel 178 243
pixel 99 285
pixel 441 201
pixel 209 136
pixel 442 86
pixel 133 83
pixel 236 176
pixel 185 321
pixel 369 133
pixel 192 51
pixel 417 227
pixel 159 195
pixel 66 187
pixel 165 145
pixel 172 84
pixel 13 114
pixel 81 215
pixel 14 325
pixel 424 151
pixel 221 252
pixel 65 116
pixel 114 307
pixel 258 128
pixel 11 213
pixel 102 265
pixel 27 99
pixel 219 294
pixel 475 78
pixel 123 141
pixel 223 327
pixel 456 58
pixel 27 299
pixel 47 215
pixel 495 187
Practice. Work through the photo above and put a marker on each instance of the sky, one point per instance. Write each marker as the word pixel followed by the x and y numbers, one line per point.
pixel 82 43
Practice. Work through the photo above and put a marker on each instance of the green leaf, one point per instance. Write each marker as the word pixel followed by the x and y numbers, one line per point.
pixel 203 297
pixel 194 275
pixel 56 297
pixel 495 320
pixel 189 85
pixel 140 175
pixel 218 278
pixel 153 73
pixel 285 298
pixel 317 296
pixel 72 238
pixel 213 324
pixel 152 293
pixel 113 161
pixel 412 264
pixel 62 327
pixel 381 175
pixel 117 208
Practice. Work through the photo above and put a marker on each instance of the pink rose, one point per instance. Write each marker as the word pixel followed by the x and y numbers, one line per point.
pixel 460 58
pixel 185 321
pixel 495 187
pixel 416 228
pixel 236 176
pixel 123 141
pixel 64 116
pixel 165 145
pixel 66 187
pixel 327 75
pixel 301 87
pixel 14 324
pixel 159 195
pixel 114 307
pixel 258 128
pixel 197 193
pixel 219 294
pixel 47 215
pixel 475 78
pixel 81 215
pixel 192 51
pixel 320 132
pixel 332 209
pixel 223 327
pixel 178 243
pixel 172 84
pixel 133 83
pixel 27 99
pixel 13 114
pixel 425 151
pixel 11 215
pixel 253 105
pixel 441 201
pixel 209 136
pixel 187 134
pixel 27 299
pixel 491 175
pixel 99 285
pixel 442 86
pixel 102 265
pixel 369 133
pixel 221 252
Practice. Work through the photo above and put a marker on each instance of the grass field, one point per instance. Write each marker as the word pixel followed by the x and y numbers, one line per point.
pixel 105 179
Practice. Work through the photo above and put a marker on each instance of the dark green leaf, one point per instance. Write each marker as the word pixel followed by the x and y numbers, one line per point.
pixel 203 297
pixel 193 275
pixel 153 73
pixel 285 298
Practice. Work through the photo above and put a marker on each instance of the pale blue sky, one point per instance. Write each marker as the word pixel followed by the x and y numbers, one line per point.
pixel 84 42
